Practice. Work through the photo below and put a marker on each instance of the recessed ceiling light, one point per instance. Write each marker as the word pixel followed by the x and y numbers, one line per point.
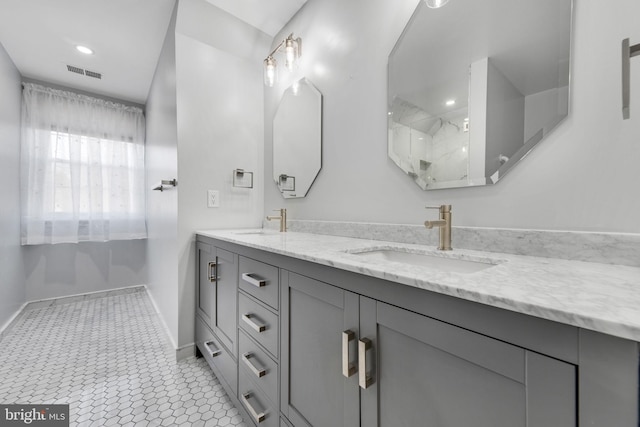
pixel 450 102
pixel 84 50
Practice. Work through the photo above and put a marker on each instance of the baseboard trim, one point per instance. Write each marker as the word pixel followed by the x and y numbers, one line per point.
pixel 185 351
pixel 48 302
pixel 181 352
pixel 9 323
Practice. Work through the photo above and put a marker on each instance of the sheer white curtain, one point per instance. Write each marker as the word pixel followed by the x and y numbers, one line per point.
pixel 82 167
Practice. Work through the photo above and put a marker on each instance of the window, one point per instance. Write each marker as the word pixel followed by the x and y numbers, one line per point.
pixel 82 168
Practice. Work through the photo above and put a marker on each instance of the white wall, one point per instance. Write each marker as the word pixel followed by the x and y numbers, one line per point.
pixel 205 121
pixel 161 162
pixel 220 128
pixel 12 276
pixel 584 176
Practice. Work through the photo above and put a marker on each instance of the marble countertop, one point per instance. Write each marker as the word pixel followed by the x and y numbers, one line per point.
pixel 599 297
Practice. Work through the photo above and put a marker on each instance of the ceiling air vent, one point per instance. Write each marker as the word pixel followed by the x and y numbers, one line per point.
pixel 75 69
pixel 84 72
pixel 93 74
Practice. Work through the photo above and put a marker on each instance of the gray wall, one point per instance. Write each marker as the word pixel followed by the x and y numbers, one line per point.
pixel 583 177
pixel 162 163
pixel 12 273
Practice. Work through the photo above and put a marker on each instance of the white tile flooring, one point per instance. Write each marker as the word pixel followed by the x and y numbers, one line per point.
pixel 108 358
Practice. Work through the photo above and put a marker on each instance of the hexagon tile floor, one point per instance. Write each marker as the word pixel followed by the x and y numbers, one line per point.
pixel 109 359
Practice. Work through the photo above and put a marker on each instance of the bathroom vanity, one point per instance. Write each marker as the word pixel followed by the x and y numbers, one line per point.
pixel 312 330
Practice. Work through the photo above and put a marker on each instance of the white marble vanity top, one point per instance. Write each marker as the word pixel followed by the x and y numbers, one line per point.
pixel 599 297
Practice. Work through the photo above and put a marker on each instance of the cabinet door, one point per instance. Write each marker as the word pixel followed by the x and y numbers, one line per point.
pixel 314 391
pixel 217 293
pixel 205 286
pixel 429 373
pixel 225 299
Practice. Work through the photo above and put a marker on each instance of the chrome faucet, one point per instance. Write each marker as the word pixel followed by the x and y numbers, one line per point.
pixel 444 224
pixel 282 218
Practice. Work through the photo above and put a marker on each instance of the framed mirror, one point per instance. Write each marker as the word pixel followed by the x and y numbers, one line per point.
pixel 297 139
pixel 474 86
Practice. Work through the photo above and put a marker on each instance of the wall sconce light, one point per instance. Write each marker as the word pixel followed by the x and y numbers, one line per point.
pixel 434 4
pixel 292 50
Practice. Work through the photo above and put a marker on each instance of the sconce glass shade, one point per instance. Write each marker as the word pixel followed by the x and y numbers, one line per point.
pixel 434 4
pixel 270 71
pixel 290 53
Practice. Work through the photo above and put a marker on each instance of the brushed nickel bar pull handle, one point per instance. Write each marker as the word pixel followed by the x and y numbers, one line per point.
pixel 258 372
pixel 214 353
pixel 628 52
pixel 248 277
pixel 257 327
pixel 348 369
pixel 364 379
pixel 213 271
pixel 258 416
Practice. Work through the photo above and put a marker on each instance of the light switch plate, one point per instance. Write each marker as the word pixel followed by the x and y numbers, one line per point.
pixel 213 198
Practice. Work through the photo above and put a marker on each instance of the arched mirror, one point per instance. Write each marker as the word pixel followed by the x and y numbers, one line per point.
pixel 297 139
pixel 474 85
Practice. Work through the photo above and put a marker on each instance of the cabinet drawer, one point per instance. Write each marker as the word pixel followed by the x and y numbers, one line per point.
pixel 259 323
pixel 216 355
pixel 259 367
pixel 260 280
pixel 255 402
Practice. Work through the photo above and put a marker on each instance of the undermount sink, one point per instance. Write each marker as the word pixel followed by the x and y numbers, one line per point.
pixel 435 261
pixel 248 232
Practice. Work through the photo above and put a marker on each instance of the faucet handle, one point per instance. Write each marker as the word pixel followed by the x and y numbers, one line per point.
pixel 441 208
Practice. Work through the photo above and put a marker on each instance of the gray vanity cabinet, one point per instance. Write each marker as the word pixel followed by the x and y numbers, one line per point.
pixel 217 293
pixel 320 346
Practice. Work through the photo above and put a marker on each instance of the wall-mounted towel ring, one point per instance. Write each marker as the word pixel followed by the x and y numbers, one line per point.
pixel 242 178
pixel 628 52
pixel 165 183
